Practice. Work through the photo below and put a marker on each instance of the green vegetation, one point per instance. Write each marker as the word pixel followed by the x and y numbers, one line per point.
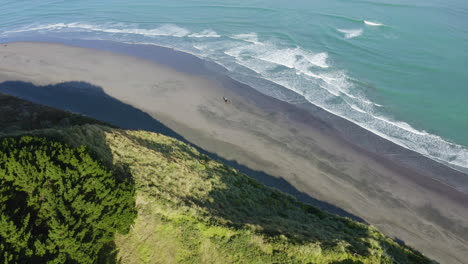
pixel 192 209
pixel 57 204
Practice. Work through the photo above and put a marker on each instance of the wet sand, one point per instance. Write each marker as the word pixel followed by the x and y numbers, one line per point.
pixel 405 195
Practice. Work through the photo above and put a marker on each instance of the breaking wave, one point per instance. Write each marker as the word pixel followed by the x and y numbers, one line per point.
pixel 373 24
pixel 207 33
pixel 249 37
pixel 164 30
pixel 351 33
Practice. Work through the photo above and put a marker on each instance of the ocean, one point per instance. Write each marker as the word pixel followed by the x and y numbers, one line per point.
pixel 396 68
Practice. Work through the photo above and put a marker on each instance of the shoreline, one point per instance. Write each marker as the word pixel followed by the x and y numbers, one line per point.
pixel 307 147
pixel 361 136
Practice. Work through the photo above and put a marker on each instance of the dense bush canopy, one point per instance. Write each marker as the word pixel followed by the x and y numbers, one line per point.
pixel 57 203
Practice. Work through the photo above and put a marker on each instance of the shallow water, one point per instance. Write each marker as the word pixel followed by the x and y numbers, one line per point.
pixel 397 68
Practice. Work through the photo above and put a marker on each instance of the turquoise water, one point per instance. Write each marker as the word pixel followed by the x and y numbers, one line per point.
pixel 397 68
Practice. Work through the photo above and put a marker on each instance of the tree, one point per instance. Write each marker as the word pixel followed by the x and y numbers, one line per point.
pixel 57 203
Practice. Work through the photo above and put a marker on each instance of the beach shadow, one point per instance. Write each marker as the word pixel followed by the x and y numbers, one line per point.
pixel 92 101
pixel 21 115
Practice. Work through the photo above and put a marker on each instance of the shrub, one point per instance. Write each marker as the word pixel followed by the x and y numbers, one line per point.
pixel 57 203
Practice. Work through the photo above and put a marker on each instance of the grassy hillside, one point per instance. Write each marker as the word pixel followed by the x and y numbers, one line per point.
pixel 192 209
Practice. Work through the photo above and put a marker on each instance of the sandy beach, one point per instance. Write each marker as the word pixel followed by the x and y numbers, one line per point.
pixel 404 194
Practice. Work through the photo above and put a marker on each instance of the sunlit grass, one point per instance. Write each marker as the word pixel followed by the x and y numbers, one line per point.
pixel 192 209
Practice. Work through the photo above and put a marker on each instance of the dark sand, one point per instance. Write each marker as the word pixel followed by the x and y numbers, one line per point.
pixel 404 194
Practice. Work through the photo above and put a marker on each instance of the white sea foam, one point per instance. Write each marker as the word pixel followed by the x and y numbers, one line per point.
pixel 248 37
pixel 264 60
pixel 207 33
pixel 36 28
pixel 351 33
pixel 373 24
pixel 294 58
pixel 357 108
pixel 164 30
pixel 318 59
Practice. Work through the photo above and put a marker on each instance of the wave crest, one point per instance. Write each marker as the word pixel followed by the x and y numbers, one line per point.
pixel 164 30
pixel 351 33
pixel 248 37
pixel 373 24
pixel 207 33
